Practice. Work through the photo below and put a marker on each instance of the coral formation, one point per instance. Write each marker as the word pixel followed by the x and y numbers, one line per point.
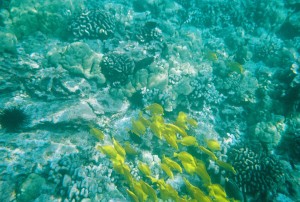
pixel 93 24
pixel 256 172
pixel 95 67
pixel 117 67
pixel 78 58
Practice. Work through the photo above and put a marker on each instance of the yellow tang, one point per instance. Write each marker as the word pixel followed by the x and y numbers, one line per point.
pixel 119 148
pixel 188 141
pixel 155 109
pixel 97 133
pixel 172 164
pixel 167 170
pixel 144 168
pixel 213 145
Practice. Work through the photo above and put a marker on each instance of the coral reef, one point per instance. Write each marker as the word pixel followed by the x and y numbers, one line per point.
pixel 93 24
pixel 256 172
pixel 77 58
pixel 79 176
pixel 117 67
pixel 90 71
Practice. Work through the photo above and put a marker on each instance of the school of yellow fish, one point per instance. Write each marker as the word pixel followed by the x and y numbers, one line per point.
pixel 182 162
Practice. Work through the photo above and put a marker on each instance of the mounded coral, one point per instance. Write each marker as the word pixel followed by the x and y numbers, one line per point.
pixel 256 172
pixel 77 58
pixel 50 17
pixel 117 67
pixel 270 133
pixel 93 24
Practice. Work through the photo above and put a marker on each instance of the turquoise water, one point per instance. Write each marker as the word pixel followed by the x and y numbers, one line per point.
pixel 150 100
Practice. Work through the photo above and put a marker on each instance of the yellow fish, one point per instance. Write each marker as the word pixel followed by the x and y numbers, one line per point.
pixel 202 172
pixel 144 168
pixel 167 170
pixel 157 181
pixel 155 109
pixel 217 190
pixel 138 127
pixel 138 190
pixel 97 133
pixel 188 167
pixel 185 157
pixel 171 139
pixel 127 175
pixel 196 193
pixel 226 166
pixel 188 141
pixel 149 190
pixel 177 129
pixel 108 150
pixel 235 67
pixel 172 164
pixel 211 56
pixel 119 148
pixel 143 120
pixel 132 195
pixel 181 120
pixel 157 129
pixel 213 145
pixel 192 122
pixel 118 158
pixel 168 192
pixel 129 150
pixel 120 167
pixel 209 153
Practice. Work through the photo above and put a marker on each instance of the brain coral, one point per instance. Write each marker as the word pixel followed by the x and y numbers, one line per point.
pixel 93 24
pixel 117 67
pixel 257 172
